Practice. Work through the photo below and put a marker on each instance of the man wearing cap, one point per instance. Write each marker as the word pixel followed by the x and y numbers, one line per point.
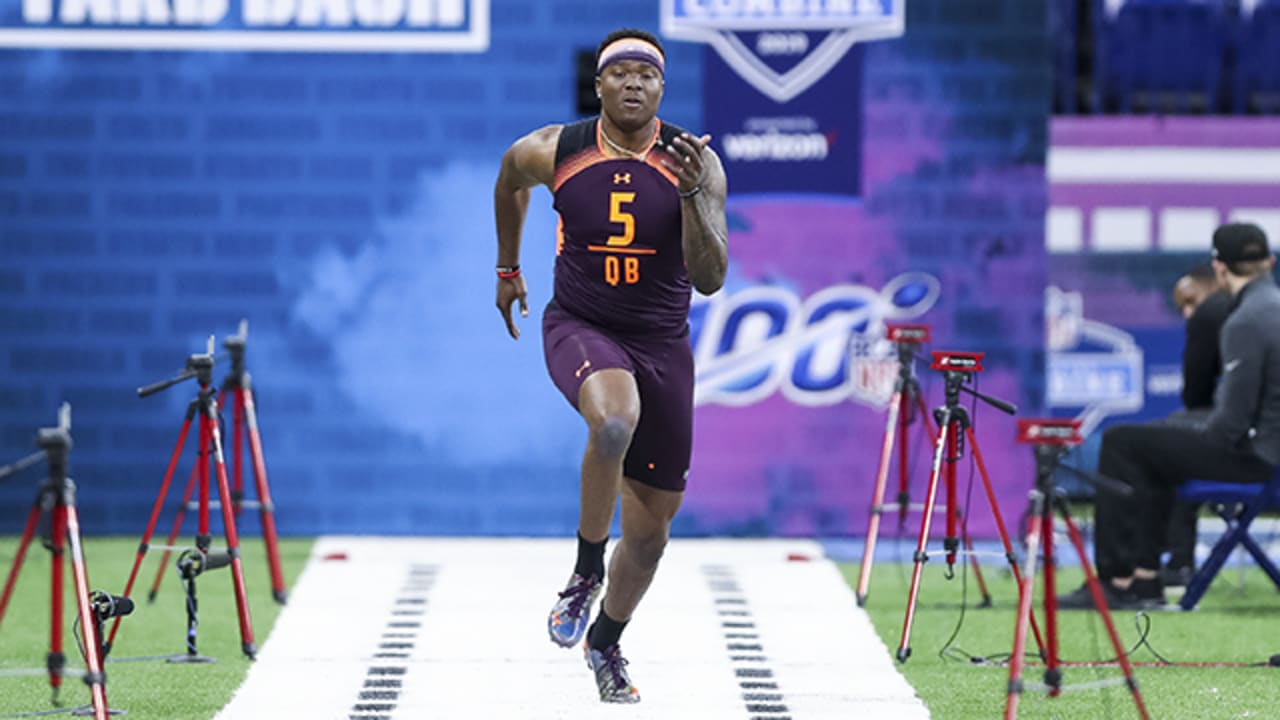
pixel 642 221
pixel 1238 442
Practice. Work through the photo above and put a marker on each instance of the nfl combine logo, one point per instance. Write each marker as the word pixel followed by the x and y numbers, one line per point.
pixel 781 47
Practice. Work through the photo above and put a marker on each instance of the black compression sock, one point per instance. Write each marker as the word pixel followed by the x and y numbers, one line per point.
pixel 590 558
pixel 605 631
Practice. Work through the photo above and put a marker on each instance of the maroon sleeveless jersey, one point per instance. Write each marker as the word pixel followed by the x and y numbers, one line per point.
pixel 619 260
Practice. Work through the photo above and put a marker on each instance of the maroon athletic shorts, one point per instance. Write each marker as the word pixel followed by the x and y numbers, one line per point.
pixel 663 369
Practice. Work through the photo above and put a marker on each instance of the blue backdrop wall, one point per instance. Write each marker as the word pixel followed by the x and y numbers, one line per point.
pixel 342 204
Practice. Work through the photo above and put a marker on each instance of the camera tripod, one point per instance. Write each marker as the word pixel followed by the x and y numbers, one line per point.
pixel 1051 439
pixel 244 418
pixel 56 499
pixel 957 369
pixel 204 410
pixel 905 402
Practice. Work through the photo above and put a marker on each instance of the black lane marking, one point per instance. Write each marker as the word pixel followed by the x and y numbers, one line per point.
pixel 383 681
pixel 761 697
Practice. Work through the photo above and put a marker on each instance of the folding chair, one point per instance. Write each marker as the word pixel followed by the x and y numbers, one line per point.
pixel 1238 504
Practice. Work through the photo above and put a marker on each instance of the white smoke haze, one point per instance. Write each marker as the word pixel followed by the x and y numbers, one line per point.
pixel 416 336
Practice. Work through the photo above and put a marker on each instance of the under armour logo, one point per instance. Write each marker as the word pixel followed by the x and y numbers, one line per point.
pixel 622 178
pixel 585 364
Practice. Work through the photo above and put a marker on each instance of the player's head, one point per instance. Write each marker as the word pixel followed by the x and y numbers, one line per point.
pixel 630 65
pixel 1191 289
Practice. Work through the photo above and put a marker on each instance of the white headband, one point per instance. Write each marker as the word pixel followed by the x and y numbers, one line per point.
pixel 631 48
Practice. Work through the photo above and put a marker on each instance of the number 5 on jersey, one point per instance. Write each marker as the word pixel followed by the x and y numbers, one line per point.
pixel 618 215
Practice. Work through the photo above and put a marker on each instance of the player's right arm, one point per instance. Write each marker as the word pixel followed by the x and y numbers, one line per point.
pixel 529 162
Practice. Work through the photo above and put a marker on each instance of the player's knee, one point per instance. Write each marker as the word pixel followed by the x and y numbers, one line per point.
pixel 612 435
pixel 647 549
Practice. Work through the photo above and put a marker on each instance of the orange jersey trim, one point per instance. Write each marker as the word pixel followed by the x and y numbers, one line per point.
pixel 656 164
pixel 577 163
pixel 587 157
pixel 623 250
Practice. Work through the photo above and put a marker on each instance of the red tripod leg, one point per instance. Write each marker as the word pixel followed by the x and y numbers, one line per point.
pixel 155 516
pixel 1017 658
pixel 173 534
pixel 951 543
pixel 237 447
pixel 877 500
pixel 904 423
pixel 92 654
pixel 904 495
pixel 203 537
pixel 28 532
pixel 1000 526
pixel 1052 673
pixel 266 507
pixel 57 659
pixel 1100 603
pixel 209 425
pixel 931 495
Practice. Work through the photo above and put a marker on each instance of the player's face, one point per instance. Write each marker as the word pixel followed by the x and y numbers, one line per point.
pixel 630 91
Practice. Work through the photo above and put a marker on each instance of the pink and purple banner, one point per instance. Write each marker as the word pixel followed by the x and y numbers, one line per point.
pixel 925 206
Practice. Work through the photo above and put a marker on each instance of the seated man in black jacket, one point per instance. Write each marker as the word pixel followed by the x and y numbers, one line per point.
pixel 1204 304
pixel 1239 442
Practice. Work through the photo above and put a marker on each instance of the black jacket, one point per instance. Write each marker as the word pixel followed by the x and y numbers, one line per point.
pixel 1201 357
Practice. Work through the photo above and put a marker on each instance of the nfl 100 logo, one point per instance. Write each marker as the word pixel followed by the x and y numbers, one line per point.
pixel 781 47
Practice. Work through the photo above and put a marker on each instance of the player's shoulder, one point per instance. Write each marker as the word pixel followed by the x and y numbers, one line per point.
pixel 544 138
pixel 531 158
pixel 575 137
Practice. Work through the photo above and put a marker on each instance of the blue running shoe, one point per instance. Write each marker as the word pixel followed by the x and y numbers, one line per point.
pixel 611 675
pixel 568 620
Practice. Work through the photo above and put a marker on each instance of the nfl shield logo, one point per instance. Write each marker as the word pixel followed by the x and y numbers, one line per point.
pixel 873 370
pixel 781 47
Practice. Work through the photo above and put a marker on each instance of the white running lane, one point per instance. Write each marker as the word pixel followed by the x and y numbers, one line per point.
pixel 426 628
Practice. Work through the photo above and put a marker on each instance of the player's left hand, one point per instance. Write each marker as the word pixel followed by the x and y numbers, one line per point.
pixel 686 160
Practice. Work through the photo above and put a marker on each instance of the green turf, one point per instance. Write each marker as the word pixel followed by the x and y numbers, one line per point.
pixel 1232 624
pixel 151 688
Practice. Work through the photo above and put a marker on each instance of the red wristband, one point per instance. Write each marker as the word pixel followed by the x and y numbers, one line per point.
pixel 508 272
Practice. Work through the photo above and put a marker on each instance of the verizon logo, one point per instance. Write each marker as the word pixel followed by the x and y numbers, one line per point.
pixel 777 146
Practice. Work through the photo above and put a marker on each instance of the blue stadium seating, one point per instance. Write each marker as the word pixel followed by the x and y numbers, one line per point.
pixel 1257 60
pixel 1161 56
pixel 1063 23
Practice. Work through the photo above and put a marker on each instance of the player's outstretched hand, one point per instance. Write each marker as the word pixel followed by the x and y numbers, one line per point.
pixel 510 290
pixel 688 164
